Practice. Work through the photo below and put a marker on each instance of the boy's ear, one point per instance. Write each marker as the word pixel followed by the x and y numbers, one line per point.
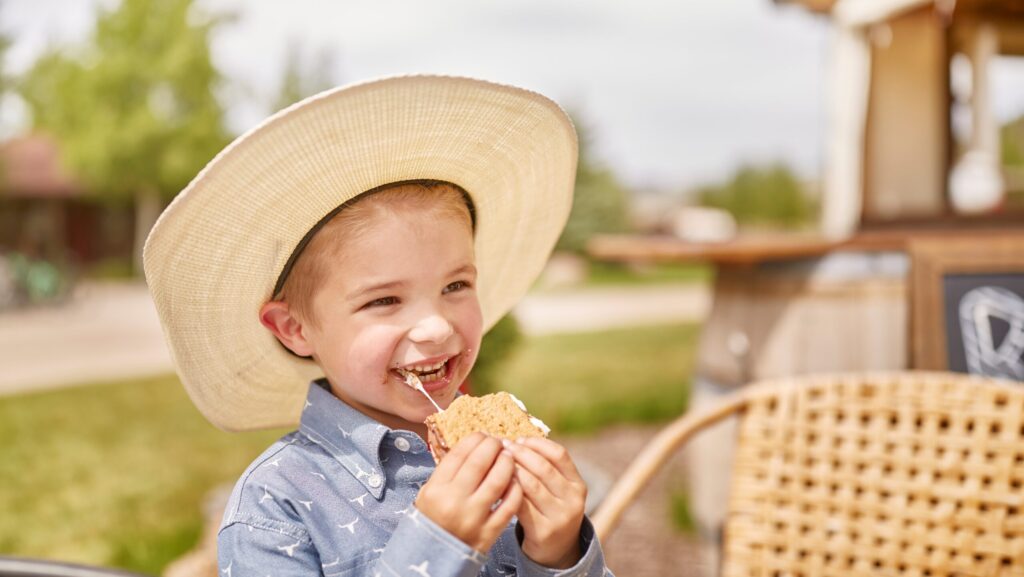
pixel 277 317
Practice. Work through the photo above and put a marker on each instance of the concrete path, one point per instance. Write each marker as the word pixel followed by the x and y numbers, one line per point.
pixel 111 331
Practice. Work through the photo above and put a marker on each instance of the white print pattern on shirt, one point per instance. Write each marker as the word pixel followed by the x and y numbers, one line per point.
pixel 360 473
pixel 307 405
pixel 227 571
pixel 308 504
pixel 351 526
pixel 344 433
pixel 332 563
pixel 289 549
pixel 276 462
pixel 322 478
pixel 359 499
pixel 421 568
pixel 266 495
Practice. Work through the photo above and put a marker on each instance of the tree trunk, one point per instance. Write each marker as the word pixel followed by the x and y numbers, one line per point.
pixel 147 210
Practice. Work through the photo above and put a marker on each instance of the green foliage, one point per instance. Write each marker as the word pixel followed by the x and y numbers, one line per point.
pixel 5 80
pixel 497 346
pixel 1012 138
pixel 602 273
pixel 134 108
pixel 761 196
pixel 298 81
pixel 109 269
pixel 600 204
pixel 679 505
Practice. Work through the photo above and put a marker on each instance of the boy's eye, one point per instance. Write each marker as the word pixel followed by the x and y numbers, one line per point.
pixel 456 286
pixel 381 302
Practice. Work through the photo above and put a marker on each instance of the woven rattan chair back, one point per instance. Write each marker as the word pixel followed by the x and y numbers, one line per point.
pixel 904 474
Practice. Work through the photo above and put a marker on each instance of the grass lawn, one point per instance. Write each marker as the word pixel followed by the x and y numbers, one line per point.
pixel 579 382
pixel 114 474
pixel 601 273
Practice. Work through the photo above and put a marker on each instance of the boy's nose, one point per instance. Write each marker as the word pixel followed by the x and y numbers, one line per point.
pixel 431 329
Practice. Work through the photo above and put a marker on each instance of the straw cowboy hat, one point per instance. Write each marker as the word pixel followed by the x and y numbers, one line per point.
pixel 217 252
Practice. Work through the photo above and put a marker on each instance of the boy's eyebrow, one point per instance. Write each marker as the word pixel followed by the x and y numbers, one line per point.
pixel 376 287
pixel 466 268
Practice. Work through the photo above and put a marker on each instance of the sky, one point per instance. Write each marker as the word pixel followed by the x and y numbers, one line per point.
pixel 672 94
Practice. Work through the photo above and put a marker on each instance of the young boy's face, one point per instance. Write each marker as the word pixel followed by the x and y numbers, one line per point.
pixel 403 295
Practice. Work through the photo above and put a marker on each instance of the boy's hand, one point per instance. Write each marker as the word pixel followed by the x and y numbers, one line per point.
pixel 553 506
pixel 463 489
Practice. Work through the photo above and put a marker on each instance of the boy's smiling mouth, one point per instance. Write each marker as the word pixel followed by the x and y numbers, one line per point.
pixel 427 371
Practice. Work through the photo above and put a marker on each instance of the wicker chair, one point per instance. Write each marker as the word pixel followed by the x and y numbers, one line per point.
pixel 908 474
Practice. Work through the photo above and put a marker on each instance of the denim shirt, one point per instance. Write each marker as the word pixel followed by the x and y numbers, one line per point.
pixel 335 498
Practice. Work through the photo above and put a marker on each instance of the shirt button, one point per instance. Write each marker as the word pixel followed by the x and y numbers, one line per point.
pixel 402 444
pixel 374 480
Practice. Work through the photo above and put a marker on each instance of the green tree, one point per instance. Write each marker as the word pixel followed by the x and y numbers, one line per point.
pixel 133 108
pixel 760 196
pixel 298 81
pixel 600 204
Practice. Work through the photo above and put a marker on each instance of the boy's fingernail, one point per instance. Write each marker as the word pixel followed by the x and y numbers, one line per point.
pixel 505 443
pixel 520 440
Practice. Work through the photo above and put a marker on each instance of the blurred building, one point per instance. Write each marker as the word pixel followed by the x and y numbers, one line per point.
pixel 45 213
pixel 893 153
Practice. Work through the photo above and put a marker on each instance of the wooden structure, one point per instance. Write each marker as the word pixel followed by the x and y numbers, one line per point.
pixel 891 155
pixel 45 213
pixel 862 474
pixel 895 183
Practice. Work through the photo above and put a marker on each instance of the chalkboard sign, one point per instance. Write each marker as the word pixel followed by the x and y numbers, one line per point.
pixel 985 324
pixel 967 305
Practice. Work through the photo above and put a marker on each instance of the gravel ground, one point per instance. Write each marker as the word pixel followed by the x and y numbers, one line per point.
pixel 645 543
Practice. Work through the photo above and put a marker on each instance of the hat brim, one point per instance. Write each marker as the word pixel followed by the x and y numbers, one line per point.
pixel 213 257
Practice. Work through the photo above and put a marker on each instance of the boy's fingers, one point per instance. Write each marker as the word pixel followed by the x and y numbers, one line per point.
pixel 529 515
pixel 476 465
pixel 539 467
pixel 497 480
pixel 555 453
pixel 452 462
pixel 511 501
pixel 535 491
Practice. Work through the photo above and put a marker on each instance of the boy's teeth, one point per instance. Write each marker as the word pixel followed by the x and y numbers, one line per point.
pixel 427 368
pixel 435 376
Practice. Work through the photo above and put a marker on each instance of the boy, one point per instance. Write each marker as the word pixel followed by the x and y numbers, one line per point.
pixel 365 232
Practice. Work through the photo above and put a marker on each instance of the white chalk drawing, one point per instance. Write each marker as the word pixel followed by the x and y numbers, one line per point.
pixel 984 355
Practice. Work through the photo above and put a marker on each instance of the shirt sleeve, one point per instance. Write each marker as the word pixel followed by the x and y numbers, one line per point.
pixel 421 548
pixel 509 558
pixel 245 549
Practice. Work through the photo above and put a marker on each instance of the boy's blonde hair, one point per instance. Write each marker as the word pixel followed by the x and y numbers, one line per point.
pixel 308 267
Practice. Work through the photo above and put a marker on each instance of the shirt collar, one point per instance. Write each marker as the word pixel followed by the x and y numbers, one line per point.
pixel 348 435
